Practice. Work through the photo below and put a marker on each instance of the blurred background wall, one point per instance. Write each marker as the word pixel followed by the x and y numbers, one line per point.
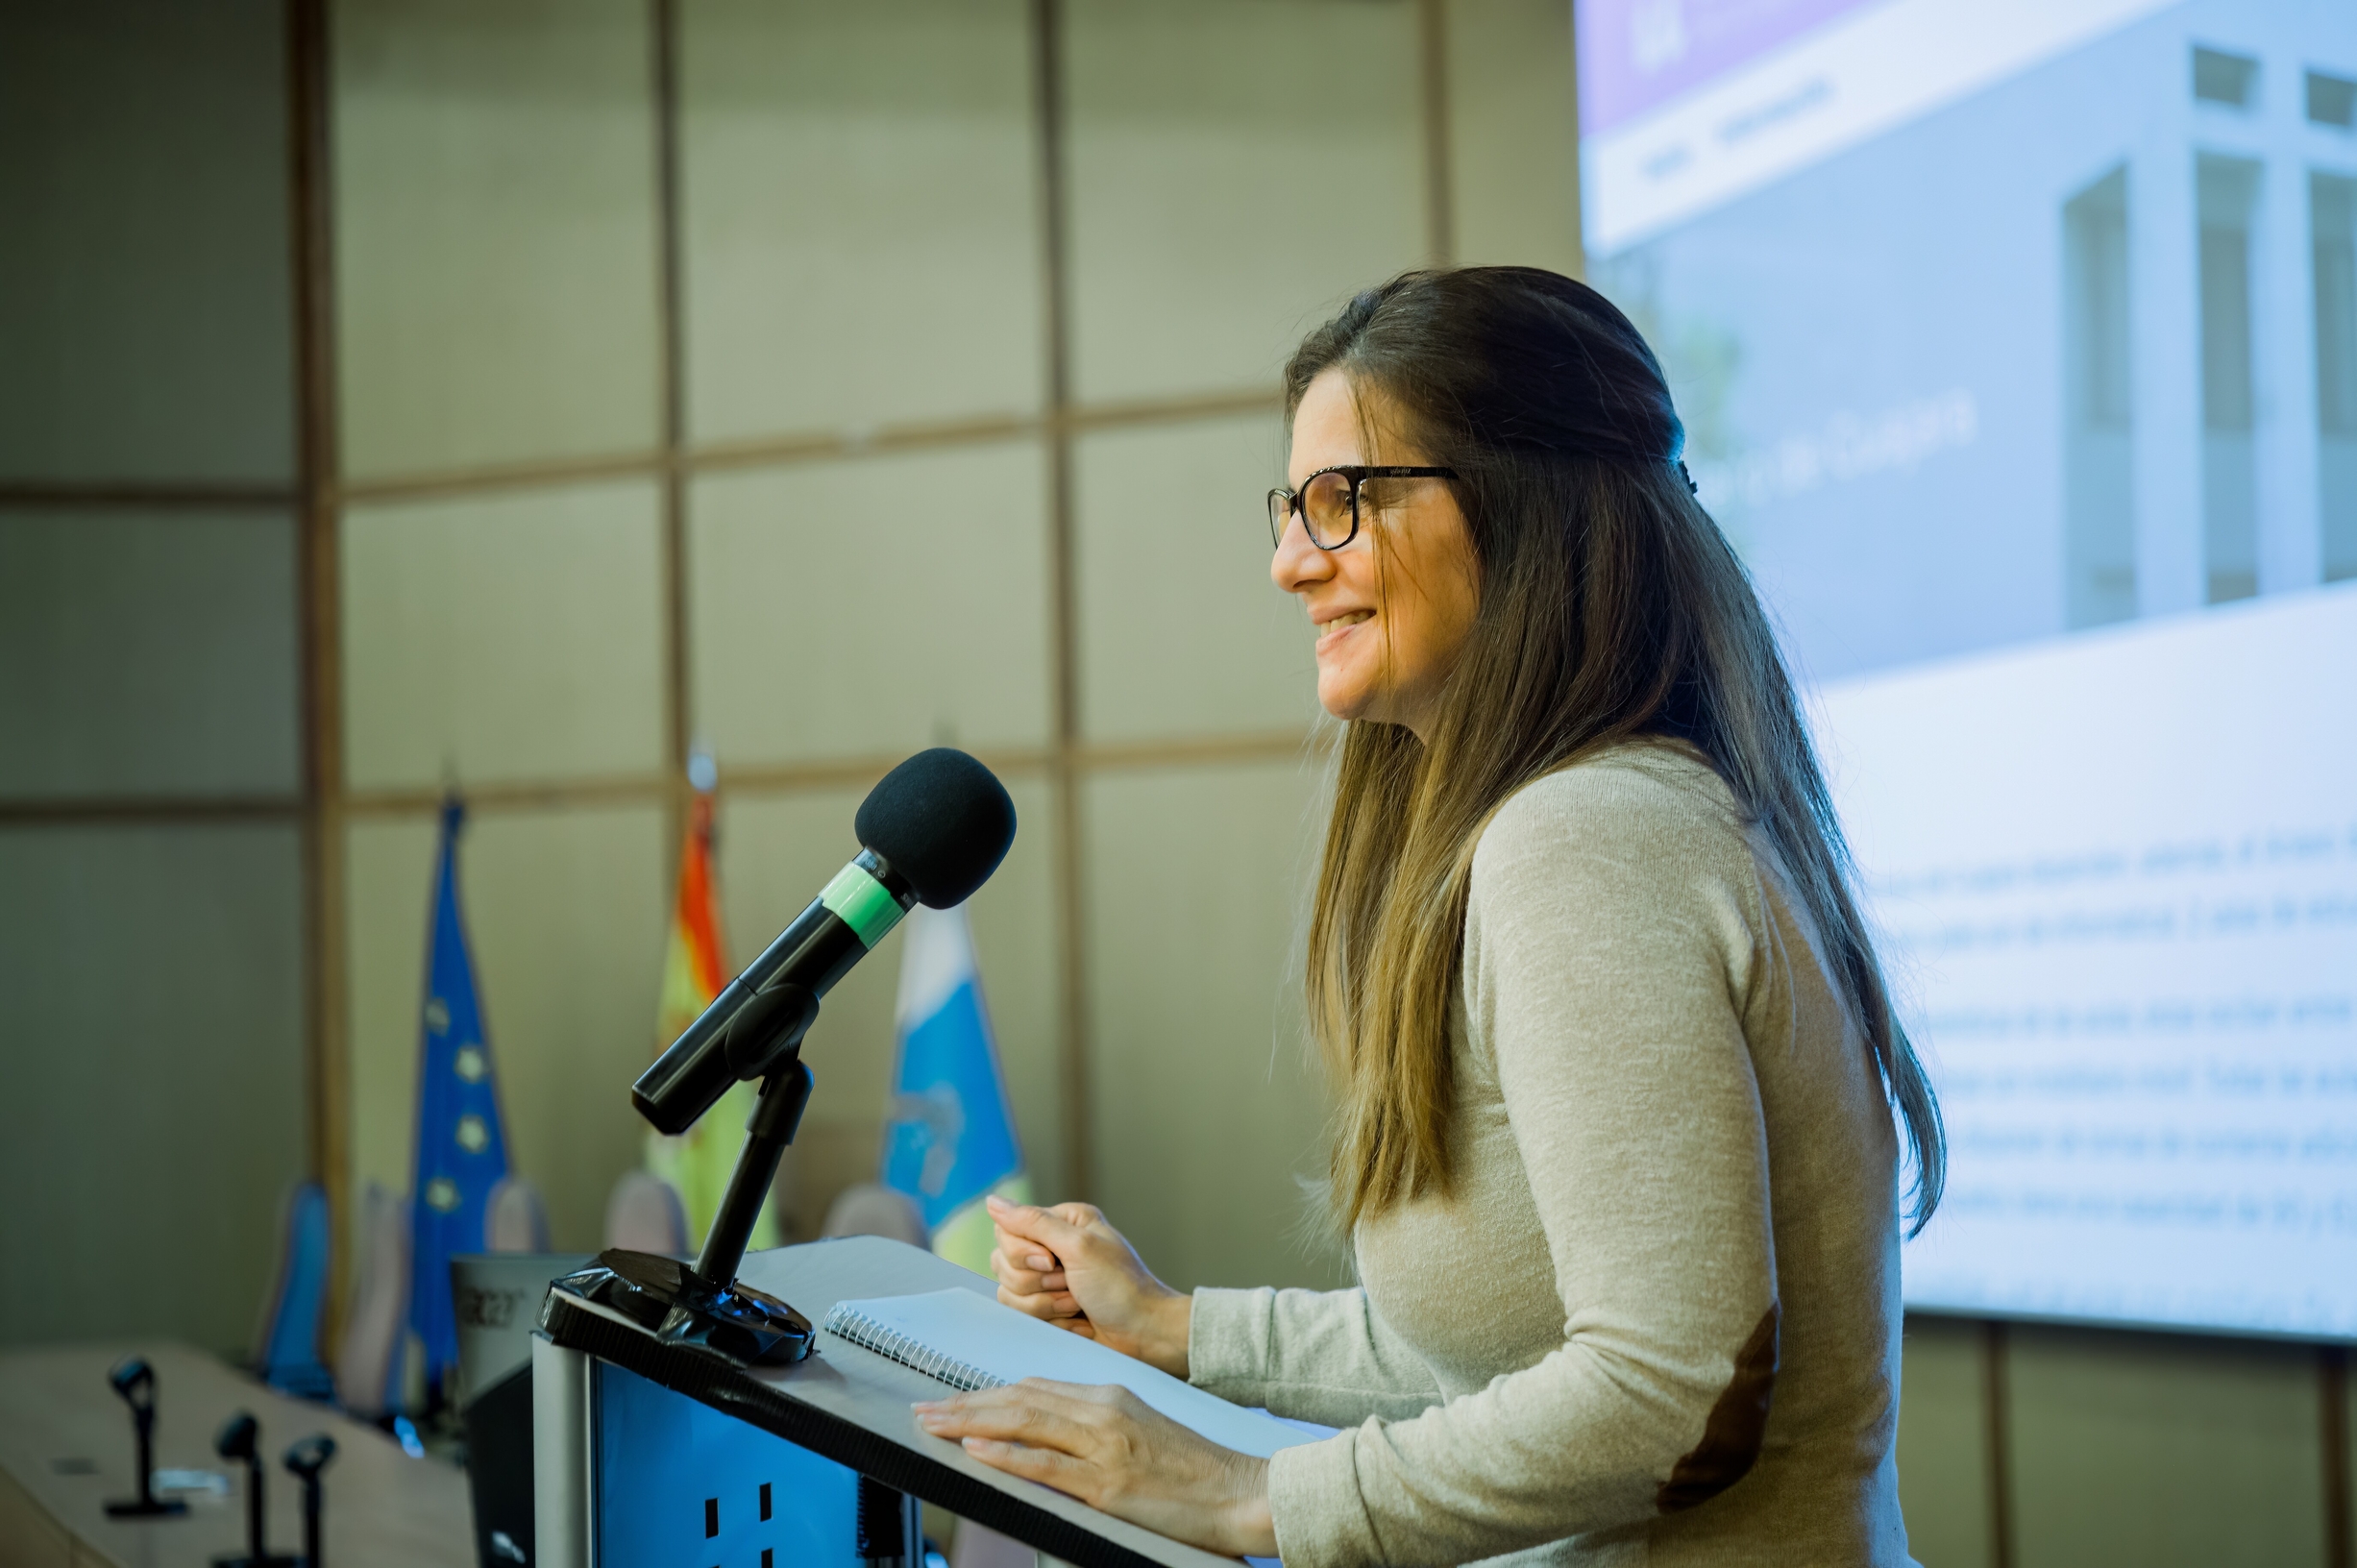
pixel 818 382
pixel 153 749
pixel 397 394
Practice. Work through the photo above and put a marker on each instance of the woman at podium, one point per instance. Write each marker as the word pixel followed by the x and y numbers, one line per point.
pixel 1622 1105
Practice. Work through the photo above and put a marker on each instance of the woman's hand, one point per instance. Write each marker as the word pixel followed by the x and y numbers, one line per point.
pixel 1108 1447
pixel 1066 1265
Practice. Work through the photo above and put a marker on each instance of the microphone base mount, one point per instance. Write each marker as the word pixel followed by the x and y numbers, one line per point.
pixel 702 1304
pixel 136 1381
pixel 145 1508
pixel 670 1300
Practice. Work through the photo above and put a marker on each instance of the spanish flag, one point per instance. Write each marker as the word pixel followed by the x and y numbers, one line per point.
pixel 700 1161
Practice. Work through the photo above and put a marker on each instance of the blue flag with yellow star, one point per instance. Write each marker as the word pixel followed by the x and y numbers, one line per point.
pixel 462 1152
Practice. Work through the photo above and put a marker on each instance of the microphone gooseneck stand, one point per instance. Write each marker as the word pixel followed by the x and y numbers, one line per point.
pixel 303 1461
pixel 242 1439
pixel 703 1306
pixel 136 1381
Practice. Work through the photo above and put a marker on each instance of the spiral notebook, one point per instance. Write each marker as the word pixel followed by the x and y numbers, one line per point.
pixel 969 1342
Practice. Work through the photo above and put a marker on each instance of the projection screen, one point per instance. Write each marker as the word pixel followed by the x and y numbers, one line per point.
pixel 2016 341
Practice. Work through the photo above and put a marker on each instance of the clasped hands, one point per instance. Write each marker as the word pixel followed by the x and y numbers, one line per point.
pixel 1105 1445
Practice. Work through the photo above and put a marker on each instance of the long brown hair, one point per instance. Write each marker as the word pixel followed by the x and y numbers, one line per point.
pixel 1610 608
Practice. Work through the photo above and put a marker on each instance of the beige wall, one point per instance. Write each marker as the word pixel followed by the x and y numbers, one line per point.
pixel 874 486
pixel 2115 1448
pixel 152 1074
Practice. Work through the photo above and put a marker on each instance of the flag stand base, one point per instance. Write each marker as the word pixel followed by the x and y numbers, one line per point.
pixel 703 1305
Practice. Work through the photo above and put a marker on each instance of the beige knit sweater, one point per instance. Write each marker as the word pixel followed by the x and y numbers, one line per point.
pixel 1658 1319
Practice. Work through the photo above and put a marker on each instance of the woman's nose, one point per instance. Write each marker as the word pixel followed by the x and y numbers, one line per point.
pixel 1298 563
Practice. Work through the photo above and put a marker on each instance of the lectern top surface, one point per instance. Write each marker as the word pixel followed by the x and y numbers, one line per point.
pixel 853 1406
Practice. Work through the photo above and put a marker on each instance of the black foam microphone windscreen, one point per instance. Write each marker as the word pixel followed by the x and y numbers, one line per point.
pixel 942 821
pixel 931 832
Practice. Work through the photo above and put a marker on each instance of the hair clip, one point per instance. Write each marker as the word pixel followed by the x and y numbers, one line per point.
pixel 1692 489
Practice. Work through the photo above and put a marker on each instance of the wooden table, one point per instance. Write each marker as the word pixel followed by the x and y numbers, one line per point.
pixel 66 1450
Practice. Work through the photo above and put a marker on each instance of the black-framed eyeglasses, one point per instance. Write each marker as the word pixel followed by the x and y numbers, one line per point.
pixel 1328 502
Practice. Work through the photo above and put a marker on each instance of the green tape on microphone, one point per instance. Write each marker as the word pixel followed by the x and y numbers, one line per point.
pixel 864 904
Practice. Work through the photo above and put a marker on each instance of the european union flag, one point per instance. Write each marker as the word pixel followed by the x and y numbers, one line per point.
pixel 462 1152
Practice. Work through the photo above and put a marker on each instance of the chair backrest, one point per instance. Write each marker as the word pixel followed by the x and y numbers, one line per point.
pixel 871 1209
pixel 514 1218
pixel 287 1356
pixel 368 1369
pixel 645 1214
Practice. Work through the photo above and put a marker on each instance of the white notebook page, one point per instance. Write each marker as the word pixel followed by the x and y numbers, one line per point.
pixel 1011 1346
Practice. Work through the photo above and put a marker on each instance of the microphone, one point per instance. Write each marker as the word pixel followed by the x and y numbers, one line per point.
pixel 931 832
pixel 303 1461
pixel 240 1437
pixel 135 1380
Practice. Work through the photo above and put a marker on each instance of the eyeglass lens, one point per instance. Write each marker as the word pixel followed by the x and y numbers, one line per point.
pixel 1326 507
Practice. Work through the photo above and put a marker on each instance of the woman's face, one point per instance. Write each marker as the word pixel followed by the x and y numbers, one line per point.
pixel 1392 607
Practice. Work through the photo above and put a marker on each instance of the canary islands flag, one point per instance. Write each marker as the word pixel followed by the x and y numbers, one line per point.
pixel 461 1151
pixel 699 1162
pixel 950 1138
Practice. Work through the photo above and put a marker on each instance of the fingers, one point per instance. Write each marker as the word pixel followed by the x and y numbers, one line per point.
pixel 1032 1425
pixel 1102 1396
pixel 1022 1252
pixel 1061 1230
pixel 1046 1304
pixel 1075 1477
pixel 1012 1263
pixel 1034 1413
pixel 1105 1446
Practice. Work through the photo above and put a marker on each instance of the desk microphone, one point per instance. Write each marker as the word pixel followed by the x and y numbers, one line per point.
pixel 135 1380
pixel 240 1437
pixel 931 832
pixel 303 1461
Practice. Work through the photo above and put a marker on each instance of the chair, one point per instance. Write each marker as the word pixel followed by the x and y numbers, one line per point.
pixel 514 1218
pixel 368 1367
pixel 287 1357
pixel 874 1209
pixel 645 1214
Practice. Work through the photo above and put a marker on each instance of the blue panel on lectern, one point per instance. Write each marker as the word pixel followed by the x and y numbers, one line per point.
pixel 681 1485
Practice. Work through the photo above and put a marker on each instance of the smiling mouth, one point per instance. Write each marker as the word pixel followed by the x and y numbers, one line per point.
pixel 1343 622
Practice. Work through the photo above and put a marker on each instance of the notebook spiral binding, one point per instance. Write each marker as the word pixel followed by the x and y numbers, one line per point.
pixel 868 1333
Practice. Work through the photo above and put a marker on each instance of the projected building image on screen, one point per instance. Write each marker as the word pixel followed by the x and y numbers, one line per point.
pixel 2017 347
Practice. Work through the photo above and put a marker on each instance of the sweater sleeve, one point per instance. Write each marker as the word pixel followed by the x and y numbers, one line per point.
pixel 1319 1356
pixel 1607 956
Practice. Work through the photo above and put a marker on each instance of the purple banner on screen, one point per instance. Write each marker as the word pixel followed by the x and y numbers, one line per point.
pixel 1636 54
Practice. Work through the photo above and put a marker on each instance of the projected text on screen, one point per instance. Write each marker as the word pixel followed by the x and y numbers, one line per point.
pixel 2116 878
